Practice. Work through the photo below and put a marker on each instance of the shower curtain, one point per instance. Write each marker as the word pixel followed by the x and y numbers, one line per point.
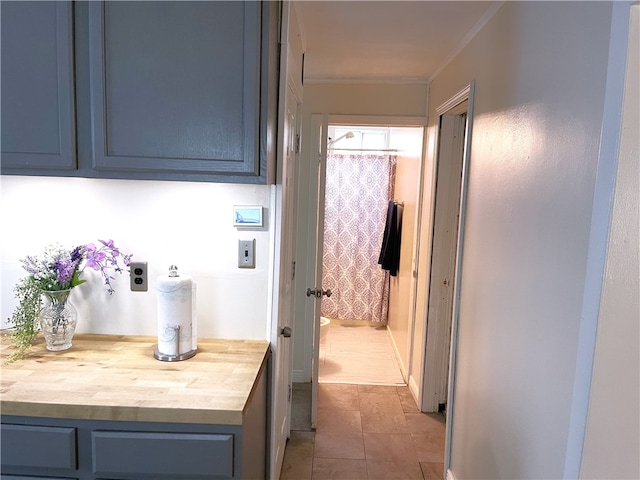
pixel 358 189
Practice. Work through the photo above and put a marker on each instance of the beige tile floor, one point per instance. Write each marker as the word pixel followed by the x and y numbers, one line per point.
pixel 359 354
pixel 367 432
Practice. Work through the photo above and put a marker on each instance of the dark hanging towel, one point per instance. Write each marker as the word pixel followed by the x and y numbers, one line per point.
pixel 390 252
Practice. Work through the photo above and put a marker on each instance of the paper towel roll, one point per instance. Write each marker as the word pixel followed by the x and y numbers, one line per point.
pixel 176 307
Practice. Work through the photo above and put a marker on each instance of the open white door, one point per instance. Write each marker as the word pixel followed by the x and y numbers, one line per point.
pixel 315 291
pixel 283 216
pixel 443 256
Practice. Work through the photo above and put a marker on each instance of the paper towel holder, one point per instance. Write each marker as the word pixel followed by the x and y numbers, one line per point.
pixel 164 357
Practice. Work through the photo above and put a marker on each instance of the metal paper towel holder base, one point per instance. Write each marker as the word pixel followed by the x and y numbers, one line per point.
pixel 163 357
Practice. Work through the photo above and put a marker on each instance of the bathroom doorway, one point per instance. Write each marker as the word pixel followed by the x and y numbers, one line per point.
pixel 365 323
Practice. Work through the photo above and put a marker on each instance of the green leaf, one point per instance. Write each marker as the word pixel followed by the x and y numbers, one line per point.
pixel 25 317
pixel 75 279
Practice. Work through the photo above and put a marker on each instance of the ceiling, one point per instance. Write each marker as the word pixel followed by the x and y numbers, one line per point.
pixel 385 40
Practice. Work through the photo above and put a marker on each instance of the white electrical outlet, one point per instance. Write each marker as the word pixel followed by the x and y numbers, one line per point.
pixel 246 253
pixel 138 276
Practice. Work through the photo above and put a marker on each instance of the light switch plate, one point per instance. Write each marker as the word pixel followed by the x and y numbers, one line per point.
pixel 247 253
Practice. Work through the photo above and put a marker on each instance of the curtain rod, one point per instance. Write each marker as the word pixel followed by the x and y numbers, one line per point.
pixel 365 149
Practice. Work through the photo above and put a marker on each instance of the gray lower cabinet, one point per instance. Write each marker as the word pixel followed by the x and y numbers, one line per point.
pixel 85 450
pixel 158 454
pixel 176 90
pixel 22 477
pixel 55 446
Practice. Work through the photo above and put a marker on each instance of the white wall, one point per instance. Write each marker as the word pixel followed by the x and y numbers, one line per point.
pixel 612 448
pixel 409 143
pixel 540 72
pixel 162 223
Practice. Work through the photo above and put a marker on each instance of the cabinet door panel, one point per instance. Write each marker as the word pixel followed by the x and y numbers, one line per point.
pixel 34 446
pixel 175 86
pixel 164 455
pixel 22 477
pixel 38 112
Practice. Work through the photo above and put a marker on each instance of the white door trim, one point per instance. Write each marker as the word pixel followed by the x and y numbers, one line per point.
pixel 315 231
pixel 469 91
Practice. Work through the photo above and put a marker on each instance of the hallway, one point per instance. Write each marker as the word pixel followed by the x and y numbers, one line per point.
pixel 367 432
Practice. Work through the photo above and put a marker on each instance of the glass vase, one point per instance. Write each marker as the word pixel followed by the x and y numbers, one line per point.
pixel 58 319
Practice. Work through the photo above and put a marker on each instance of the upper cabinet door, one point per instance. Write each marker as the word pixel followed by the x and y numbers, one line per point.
pixel 175 86
pixel 38 112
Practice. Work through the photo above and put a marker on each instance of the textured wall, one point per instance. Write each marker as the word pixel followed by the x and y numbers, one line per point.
pixel 612 440
pixel 540 72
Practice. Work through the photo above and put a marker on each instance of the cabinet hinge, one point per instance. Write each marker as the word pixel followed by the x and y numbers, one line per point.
pixel 289 397
pixel 298 143
pixel 293 270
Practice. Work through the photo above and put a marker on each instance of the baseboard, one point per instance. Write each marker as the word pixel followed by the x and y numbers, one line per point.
pixel 403 371
pixel 450 475
pixel 415 391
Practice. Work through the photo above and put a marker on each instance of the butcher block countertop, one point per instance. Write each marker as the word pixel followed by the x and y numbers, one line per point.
pixel 107 377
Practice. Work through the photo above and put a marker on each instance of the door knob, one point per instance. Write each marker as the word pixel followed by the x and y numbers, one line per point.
pixel 318 292
pixel 285 332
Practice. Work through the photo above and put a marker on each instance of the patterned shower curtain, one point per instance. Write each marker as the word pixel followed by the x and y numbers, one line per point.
pixel 358 189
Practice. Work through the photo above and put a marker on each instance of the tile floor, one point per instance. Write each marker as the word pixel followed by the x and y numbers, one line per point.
pixel 367 432
pixel 359 354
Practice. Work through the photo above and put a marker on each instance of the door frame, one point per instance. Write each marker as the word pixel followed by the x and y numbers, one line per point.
pixel 450 149
pixel 318 153
pixel 283 204
pixel 319 126
pixel 468 94
pixel 323 121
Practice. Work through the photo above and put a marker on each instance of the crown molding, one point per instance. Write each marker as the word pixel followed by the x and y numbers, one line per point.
pixel 488 15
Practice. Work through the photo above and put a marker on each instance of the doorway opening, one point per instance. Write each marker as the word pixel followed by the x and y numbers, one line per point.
pixel 370 170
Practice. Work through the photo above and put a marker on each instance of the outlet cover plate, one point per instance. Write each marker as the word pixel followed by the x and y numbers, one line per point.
pixel 138 277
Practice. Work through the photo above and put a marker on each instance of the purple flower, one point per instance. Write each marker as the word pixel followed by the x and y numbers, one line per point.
pixel 105 258
pixel 32 266
pixel 94 256
pixel 58 269
pixel 64 269
pixel 76 254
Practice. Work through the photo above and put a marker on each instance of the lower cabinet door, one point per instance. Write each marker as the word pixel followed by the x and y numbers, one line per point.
pixel 162 455
pixel 22 477
pixel 38 447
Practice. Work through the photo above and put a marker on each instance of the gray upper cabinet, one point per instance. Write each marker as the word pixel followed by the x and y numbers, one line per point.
pixel 38 112
pixel 175 90
pixel 175 86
